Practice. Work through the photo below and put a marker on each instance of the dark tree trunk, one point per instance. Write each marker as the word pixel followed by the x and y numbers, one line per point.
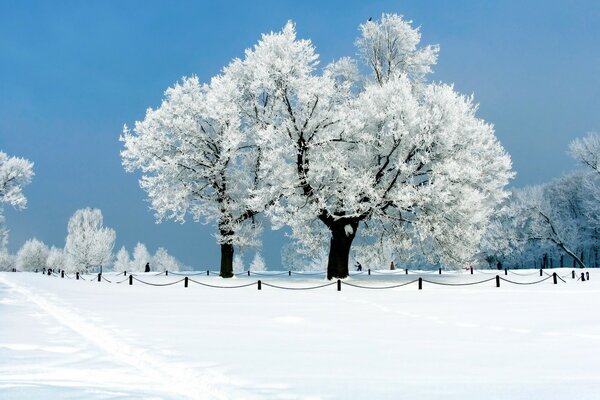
pixel 226 260
pixel 339 248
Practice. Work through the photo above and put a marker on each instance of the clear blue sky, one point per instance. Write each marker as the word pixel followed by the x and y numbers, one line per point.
pixel 73 72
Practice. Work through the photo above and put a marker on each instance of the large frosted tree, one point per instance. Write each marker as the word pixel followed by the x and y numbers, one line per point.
pixel 407 157
pixel 195 160
pixel 15 173
pixel 89 243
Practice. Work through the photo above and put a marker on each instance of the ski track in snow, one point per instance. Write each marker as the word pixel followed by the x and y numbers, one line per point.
pixel 175 379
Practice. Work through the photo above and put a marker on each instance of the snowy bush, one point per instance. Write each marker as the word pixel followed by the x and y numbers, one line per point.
pixel 7 261
pixel 238 264
pixel 163 261
pixel 141 257
pixel 32 256
pixel 56 259
pixel 122 261
pixel 258 263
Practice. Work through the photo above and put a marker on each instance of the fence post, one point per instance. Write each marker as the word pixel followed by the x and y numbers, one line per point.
pixel 406 271
pixel 36 271
pixel 207 272
pixel 185 282
pixel 289 273
pixel 587 276
pixel 166 273
pixel 99 277
pixel 62 273
pixel 124 273
pixel 582 277
pixel 259 285
pixel 130 280
pixel 44 271
pixel 554 278
pixel 440 270
pixel 420 283
pixel 49 272
pixel 77 275
pixel 540 272
pixel 497 280
pixel 339 285
pixel 248 272
pixel 369 271
pixel 573 274
pixel 471 270
pixel 505 271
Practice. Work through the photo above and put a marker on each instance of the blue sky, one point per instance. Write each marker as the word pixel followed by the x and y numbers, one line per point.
pixel 73 72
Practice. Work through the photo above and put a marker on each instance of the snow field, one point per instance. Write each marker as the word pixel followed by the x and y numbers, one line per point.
pixel 63 338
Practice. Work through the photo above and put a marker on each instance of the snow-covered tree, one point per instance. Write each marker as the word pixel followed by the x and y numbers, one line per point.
pixel 89 244
pixel 141 257
pixel 122 261
pixel 56 259
pixel 196 161
pixel 550 214
pixel 15 173
pixel 587 151
pixel 163 261
pixel 409 158
pixel 258 263
pixel 7 261
pixel 238 264
pixel 32 255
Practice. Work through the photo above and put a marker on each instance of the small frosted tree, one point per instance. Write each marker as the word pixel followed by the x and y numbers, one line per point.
pixel 56 259
pixel 7 261
pixel 122 261
pixel 15 173
pixel 141 257
pixel 163 261
pixel 258 263
pixel 89 243
pixel 32 255
pixel 238 264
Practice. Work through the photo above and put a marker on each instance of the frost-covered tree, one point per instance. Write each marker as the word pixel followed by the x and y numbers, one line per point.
pixel 550 214
pixel 258 263
pixel 196 161
pixel 141 257
pixel 56 259
pixel 15 173
pixel 7 261
pixel 163 261
pixel 89 243
pixel 407 157
pixel 122 261
pixel 238 264
pixel 32 255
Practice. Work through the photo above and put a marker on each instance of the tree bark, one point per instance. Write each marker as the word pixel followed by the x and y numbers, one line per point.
pixel 226 260
pixel 342 235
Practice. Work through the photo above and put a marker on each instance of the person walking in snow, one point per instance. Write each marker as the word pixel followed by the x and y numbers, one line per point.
pixel 147 269
pixel 358 266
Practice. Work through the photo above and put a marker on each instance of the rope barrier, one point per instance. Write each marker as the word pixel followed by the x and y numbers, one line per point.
pixel 267 274
pixel 558 276
pixel 157 284
pixel 124 280
pixel 223 287
pixel 102 276
pixel 459 284
pixel 298 288
pixel 379 287
pixel 515 273
pixel 187 274
pixel 526 283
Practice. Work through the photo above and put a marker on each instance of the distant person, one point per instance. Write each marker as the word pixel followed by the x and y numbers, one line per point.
pixel 392 266
pixel 499 265
pixel 147 269
pixel 358 266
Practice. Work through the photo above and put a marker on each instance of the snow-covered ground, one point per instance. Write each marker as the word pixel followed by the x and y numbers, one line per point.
pixel 68 339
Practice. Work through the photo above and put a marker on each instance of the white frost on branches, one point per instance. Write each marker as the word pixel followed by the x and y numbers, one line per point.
pixel 89 244
pixel 163 261
pixel 32 255
pixel 56 259
pixel 141 257
pixel 122 261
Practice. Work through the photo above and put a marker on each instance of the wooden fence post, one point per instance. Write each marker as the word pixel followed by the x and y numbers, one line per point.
pixel 185 281
pixel 339 285
pixel 259 285
pixel 497 280
pixel 420 283
pixel 130 280
pixel 554 278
